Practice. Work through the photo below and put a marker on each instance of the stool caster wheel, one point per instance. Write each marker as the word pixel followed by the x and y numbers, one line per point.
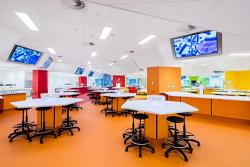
pixel 199 144
pixel 55 136
pixel 123 135
pixel 126 149
pixel 166 155
pixel 153 151
pixel 41 142
pixel 186 159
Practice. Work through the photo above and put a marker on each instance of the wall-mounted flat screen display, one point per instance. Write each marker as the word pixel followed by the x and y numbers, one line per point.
pixel 202 43
pixel 91 73
pixel 24 55
pixel 79 71
pixel 47 63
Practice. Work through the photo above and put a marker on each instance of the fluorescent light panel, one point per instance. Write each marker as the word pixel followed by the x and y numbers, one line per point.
pixel 150 37
pixel 105 32
pixel 51 50
pixel 27 21
pixel 110 64
pixel 93 54
pixel 89 62
pixel 123 57
pixel 240 54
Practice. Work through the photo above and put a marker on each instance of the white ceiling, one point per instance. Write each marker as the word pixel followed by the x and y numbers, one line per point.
pixel 69 32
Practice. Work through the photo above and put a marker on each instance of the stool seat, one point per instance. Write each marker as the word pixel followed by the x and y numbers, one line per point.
pixel 140 116
pixel 185 114
pixel 21 109
pixel 43 108
pixel 175 119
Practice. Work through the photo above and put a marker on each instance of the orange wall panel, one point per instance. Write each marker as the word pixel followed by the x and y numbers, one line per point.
pixel 163 79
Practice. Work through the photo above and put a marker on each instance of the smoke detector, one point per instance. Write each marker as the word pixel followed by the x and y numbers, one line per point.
pixel 75 4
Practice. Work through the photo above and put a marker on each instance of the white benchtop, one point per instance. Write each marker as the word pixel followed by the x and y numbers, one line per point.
pixel 118 95
pixel 158 107
pixel 105 91
pixel 1 97
pixel 192 95
pixel 45 102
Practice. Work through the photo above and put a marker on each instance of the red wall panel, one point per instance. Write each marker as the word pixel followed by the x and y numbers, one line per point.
pixel 119 79
pixel 82 81
pixel 39 83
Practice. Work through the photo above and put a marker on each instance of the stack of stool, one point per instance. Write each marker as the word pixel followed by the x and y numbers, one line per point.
pixel 187 136
pixel 68 124
pixel 140 140
pixel 129 133
pixel 43 131
pixel 23 128
pixel 176 143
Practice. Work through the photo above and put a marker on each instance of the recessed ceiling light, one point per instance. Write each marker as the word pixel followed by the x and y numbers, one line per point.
pixel 90 66
pixel 123 57
pixel 51 50
pixel 93 54
pixel 105 32
pixel 89 62
pixel 59 60
pixel 110 64
pixel 150 37
pixel 240 54
pixel 27 21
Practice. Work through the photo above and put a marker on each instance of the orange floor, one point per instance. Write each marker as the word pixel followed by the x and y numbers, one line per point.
pixel 100 143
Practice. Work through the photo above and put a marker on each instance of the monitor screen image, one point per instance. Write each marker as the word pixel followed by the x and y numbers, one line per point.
pixel 47 63
pixel 91 73
pixel 24 55
pixel 79 71
pixel 203 43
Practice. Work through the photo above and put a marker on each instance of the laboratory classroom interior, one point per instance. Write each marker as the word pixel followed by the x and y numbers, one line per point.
pixel 124 83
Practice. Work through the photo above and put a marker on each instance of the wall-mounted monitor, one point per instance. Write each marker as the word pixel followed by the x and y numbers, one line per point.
pixel 47 63
pixel 79 71
pixel 91 73
pixel 20 54
pixel 197 44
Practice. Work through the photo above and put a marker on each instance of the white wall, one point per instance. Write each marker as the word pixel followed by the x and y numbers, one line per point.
pixel 61 80
pixel 13 77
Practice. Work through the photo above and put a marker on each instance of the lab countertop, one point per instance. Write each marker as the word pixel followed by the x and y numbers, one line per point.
pixel 218 97
pixel 11 93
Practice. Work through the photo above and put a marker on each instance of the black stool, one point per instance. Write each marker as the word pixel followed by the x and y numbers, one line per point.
pixel 67 125
pixel 131 131
pixel 175 143
pixel 107 103
pixel 111 111
pixel 140 140
pixel 22 128
pixel 187 136
pixel 43 131
pixel 75 106
pixel 126 112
